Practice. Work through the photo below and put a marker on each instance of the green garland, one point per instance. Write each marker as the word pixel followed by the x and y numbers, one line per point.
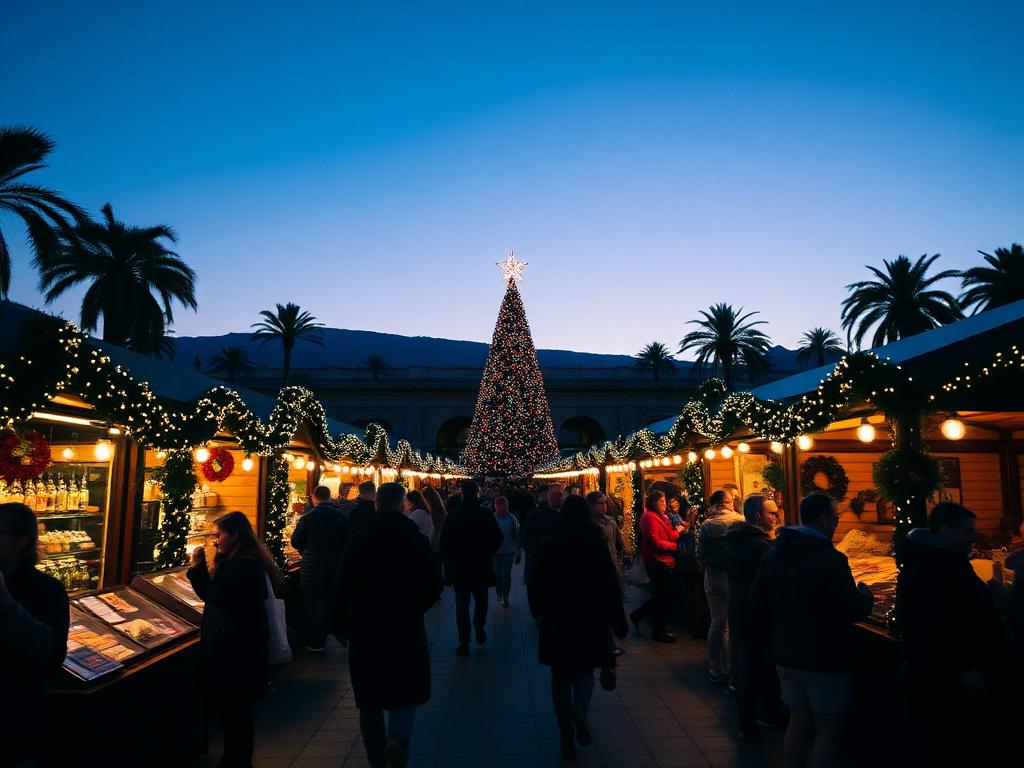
pixel 276 508
pixel 906 477
pixel 838 482
pixel 773 476
pixel 862 499
pixel 692 478
pixel 637 479
pixel 178 480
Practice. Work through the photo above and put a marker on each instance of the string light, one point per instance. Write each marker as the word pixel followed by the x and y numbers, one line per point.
pixel 68 453
pixel 692 457
pixel 743 448
pixel 804 442
pixel 776 446
pixel 952 428
pixel 103 450
pixel 202 455
pixel 865 432
pixel 247 464
pixel 709 454
pixel 726 452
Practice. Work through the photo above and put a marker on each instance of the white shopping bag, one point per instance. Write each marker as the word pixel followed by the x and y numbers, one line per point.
pixel 278 650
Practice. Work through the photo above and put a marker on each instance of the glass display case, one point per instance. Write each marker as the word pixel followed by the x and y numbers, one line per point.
pixel 70 500
pixel 135 616
pixel 95 650
pixel 173 591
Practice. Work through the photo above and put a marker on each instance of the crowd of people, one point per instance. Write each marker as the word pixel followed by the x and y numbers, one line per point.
pixel 782 602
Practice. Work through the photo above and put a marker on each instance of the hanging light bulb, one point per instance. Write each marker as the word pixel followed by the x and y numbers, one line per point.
pixel 666 462
pixel 776 446
pixel 299 463
pixel 68 453
pixel 103 450
pixel 865 432
pixel 709 454
pixel 161 455
pixel 692 457
pixel 336 468
pixel 677 459
pixel 743 448
pixel 726 452
pixel 247 464
pixel 952 428
pixel 202 455
pixel 804 442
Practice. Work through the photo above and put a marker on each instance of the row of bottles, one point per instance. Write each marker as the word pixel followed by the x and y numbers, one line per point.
pixel 47 495
pixel 73 574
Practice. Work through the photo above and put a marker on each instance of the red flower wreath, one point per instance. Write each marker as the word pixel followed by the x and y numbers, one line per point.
pixel 219 466
pixel 23 457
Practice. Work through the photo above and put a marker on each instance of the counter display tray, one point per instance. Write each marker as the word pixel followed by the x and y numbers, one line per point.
pixel 172 590
pixel 96 650
pixel 135 616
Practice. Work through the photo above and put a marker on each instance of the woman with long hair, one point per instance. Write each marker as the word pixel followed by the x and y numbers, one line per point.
pixel 33 635
pixel 575 595
pixel 435 506
pixel 658 549
pixel 234 631
pixel 416 510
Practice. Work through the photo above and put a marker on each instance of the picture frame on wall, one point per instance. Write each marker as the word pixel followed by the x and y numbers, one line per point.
pixel 949 488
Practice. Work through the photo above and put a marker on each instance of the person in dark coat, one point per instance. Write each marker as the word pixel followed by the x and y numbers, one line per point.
pixel 757 685
pixel 469 540
pixel 386 581
pixel 320 536
pixel 806 602
pixel 539 524
pixel 234 632
pixel 362 511
pixel 574 593
pixel 954 643
pixel 34 622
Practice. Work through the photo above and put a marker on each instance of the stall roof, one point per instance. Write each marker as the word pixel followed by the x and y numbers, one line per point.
pixel 165 379
pixel 962 336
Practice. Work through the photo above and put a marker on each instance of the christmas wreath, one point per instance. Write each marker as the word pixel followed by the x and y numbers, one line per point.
pixel 219 466
pixel 903 474
pixel 23 457
pixel 838 482
pixel 862 499
pixel 772 475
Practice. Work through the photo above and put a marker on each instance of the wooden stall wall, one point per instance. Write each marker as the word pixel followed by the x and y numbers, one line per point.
pixel 723 471
pixel 239 492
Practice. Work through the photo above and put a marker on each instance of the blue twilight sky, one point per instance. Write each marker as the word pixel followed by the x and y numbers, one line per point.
pixel 372 160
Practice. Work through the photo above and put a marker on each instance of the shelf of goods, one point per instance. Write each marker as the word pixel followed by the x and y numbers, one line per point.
pixel 70 502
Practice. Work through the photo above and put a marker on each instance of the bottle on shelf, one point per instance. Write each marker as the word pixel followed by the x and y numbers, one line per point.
pixel 72 494
pixel 40 500
pixel 51 494
pixel 17 496
pixel 3 491
pixel 61 503
pixel 83 490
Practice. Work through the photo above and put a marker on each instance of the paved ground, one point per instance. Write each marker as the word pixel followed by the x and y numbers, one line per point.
pixel 494 708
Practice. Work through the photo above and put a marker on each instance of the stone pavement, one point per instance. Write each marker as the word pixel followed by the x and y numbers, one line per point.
pixel 493 709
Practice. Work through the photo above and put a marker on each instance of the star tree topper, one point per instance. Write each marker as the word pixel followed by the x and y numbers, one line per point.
pixel 512 269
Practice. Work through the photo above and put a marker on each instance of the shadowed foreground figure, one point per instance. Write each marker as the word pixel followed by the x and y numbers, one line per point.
pixel 386 581
pixel 575 595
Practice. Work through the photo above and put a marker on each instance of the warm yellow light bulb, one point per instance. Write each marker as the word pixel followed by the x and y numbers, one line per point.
pixel 336 468
pixel 692 457
pixel 709 454
pixel 677 459
pixel 865 432
pixel 776 446
pixel 202 455
pixel 102 450
pixel 299 463
pixel 953 429
pixel 726 452
pixel 247 464
pixel 804 442
pixel 68 453
pixel 743 448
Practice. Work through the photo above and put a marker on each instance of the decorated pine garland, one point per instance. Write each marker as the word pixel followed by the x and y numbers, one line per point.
pixel 219 466
pixel 692 478
pixel 178 481
pixel 838 482
pixel 23 457
pixel 773 476
pixel 276 508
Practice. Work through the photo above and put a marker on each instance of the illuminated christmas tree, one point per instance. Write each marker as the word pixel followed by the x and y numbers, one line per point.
pixel 511 432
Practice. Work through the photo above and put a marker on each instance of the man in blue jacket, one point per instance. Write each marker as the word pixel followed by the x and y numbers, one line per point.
pixel 806 602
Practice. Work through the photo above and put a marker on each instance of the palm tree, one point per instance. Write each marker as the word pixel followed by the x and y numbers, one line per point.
pixel 1000 283
pixel 902 301
pixel 289 323
pixel 232 361
pixel 376 366
pixel 44 212
pixel 134 278
pixel 727 339
pixel 818 343
pixel 655 358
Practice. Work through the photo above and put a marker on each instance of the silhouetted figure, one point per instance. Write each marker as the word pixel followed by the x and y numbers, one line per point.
pixel 954 644
pixel 470 538
pixel 714 555
pixel 33 636
pixel 508 553
pixel 234 630
pixel 539 524
pixel 574 593
pixel 320 536
pixel 362 511
pixel 386 581
pixel 806 601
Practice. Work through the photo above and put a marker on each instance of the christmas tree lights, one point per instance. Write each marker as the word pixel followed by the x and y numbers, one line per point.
pixel 511 433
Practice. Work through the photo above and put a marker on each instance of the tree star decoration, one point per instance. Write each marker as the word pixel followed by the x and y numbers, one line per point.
pixel 512 269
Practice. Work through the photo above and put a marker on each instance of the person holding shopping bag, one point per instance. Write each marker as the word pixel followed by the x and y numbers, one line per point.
pixel 235 630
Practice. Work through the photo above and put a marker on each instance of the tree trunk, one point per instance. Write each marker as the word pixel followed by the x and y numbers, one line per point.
pixel 821 357
pixel 727 373
pixel 287 363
